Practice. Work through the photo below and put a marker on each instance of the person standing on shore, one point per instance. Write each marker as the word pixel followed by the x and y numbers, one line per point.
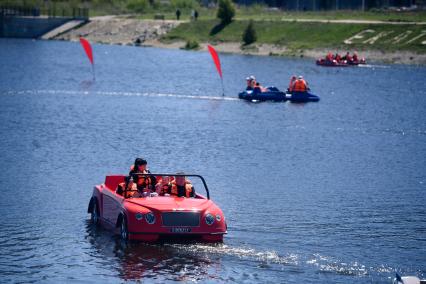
pixel 177 14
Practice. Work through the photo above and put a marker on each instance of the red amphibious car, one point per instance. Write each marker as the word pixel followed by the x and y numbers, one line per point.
pixel 155 216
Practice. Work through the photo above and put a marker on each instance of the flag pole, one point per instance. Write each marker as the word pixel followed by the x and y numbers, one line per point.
pixel 93 72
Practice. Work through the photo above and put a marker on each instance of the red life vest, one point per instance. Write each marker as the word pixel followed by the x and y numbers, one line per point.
pixel 290 86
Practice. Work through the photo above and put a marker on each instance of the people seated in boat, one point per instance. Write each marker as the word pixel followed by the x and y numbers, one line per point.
pixel 143 183
pixel 180 186
pixel 290 86
pixel 337 57
pixel 347 57
pixel 259 88
pixel 249 86
pixel 329 58
pixel 300 85
pixel 355 57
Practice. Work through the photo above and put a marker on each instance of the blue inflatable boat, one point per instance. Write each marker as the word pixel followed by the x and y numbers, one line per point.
pixel 273 94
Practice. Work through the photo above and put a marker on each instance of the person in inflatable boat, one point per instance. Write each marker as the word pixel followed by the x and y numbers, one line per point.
pixel 251 83
pixel 300 85
pixel 290 85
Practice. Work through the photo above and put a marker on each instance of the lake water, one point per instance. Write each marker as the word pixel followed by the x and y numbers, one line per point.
pixel 327 192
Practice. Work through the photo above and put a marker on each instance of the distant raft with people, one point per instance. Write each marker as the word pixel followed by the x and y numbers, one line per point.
pixel 340 61
pixel 275 95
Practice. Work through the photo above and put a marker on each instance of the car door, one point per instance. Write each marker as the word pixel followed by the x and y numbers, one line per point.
pixel 111 206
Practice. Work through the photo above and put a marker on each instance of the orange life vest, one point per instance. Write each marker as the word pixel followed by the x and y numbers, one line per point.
pixel 175 191
pixel 300 86
pixel 144 184
pixel 121 189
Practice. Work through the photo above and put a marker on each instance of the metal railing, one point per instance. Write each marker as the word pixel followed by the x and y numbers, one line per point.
pixel 16 11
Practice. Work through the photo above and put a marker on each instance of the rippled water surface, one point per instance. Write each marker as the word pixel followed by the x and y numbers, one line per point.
pixel 328 192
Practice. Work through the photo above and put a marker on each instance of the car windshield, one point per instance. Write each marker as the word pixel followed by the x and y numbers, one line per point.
pixel 153 184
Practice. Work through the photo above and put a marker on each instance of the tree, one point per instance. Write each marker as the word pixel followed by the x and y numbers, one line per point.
pixel 226 11
pixel 249 35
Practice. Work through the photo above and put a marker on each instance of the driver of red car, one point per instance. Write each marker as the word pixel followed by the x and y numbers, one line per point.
pixel 144 184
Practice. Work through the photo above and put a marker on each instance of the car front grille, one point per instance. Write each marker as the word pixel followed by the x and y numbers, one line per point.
pixel 172 219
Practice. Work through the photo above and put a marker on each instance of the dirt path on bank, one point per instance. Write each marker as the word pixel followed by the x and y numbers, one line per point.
pixel 351 21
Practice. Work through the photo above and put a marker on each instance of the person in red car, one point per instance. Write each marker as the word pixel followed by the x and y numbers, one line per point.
pixel 143 183
pixel 127 188
pixel 181 187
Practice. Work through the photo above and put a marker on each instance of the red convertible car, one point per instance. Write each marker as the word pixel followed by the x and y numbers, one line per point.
pixel 154 215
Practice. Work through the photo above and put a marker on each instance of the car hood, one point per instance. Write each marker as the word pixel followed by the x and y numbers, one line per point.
pixel 166 203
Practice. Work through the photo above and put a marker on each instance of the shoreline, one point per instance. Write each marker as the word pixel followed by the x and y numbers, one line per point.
pixel 148 33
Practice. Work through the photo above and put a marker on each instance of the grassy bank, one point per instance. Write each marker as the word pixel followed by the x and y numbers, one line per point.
pixel 258 12
pixel 148 8
pixel 297 35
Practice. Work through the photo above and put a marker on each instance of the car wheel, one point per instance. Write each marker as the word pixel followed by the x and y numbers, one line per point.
pixel 94 213
pixel 124 233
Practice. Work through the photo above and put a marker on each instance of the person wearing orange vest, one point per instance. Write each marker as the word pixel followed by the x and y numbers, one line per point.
pixel 292 80
pixel 181 187
pixel 143 183
pixel 162 186
pixel 300 85
pixel 127 188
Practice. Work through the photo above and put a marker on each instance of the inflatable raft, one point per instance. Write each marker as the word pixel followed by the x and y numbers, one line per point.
pixel 334 63
pixel 275 95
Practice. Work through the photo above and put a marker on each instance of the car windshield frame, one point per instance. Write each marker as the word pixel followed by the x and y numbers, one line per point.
pixel 175 175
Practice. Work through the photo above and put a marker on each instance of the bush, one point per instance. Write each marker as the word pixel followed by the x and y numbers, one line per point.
pixel 138 6
pixel 249 35
pixel 192 44
pixel 226 11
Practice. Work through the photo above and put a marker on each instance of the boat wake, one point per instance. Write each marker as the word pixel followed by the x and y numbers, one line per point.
pixel 105 93
pixel 270 257
pixel 373 66
pixel 317 262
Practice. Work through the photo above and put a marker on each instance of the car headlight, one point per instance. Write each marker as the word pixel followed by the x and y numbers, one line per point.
pixel 209 219
pixel 150 218
pixel 139 216
pixel 218 217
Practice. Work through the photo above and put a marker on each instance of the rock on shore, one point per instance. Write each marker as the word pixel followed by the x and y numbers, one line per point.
pixel 125 31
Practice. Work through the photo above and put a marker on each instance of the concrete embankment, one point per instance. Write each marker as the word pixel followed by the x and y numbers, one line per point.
pixel 28 27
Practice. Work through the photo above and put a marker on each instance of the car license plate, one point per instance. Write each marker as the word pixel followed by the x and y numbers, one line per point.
pixel 180 230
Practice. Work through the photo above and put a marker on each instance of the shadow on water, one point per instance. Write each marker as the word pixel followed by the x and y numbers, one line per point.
pixel 138 260
pixel 87 84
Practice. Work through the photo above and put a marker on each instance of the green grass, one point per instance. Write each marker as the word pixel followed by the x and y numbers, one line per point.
pixel 296 35
pixel 260 13
pixel 255 12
